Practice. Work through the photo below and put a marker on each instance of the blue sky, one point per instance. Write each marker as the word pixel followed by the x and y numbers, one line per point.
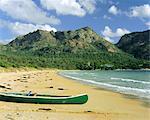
pixel 109 18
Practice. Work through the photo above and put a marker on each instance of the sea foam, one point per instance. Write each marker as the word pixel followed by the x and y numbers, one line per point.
pixel 144 93
pixel 130 80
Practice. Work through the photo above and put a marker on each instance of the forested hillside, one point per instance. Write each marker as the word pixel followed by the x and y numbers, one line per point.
pixel 137 44
pixel 80 49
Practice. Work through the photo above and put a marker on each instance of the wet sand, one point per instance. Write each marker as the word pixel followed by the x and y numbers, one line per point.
pixel 102 104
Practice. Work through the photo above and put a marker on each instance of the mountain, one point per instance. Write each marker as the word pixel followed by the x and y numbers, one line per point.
pixel 71 41
pixel 136 43
pixel 79 49
pixel 2 47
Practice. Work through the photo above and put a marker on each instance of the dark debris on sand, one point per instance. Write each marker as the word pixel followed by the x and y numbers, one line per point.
pixel 45 109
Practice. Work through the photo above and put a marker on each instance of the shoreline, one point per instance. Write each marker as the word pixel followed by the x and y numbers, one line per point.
pixel 125 95
pixel 97 86
pixel 102 104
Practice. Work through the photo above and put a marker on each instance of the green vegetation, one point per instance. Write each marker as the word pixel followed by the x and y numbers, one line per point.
pixel 64 60
pixel 81 49
pixel 137 44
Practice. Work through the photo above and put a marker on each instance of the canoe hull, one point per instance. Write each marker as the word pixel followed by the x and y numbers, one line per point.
pixel 79 99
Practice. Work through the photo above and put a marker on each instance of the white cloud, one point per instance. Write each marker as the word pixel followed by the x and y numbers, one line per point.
pixel 119 32
pixel 22 28
pixel 112 2
pixel 88 5
pixel 109 39
pixel 113 10
pixel 142 11
pixel 64 7
pixel 18 28
pixel 148 24
pixel 5 41
pixel 26 10
pixel 109 34
pixel 107 17
pixel 70 7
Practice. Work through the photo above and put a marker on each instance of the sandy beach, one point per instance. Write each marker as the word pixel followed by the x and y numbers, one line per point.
pixel 102 104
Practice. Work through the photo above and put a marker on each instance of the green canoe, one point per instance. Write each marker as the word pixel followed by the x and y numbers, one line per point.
pixel 43 99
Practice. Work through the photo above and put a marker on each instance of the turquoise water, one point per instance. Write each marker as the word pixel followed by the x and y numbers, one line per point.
pixel 128 82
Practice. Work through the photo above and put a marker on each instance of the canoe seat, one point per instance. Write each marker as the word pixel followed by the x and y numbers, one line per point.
pixel 31 94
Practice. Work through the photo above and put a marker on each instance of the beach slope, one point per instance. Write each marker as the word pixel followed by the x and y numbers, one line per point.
pixel 102 104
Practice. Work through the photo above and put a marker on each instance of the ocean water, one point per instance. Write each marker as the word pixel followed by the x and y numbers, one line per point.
pixel 125 81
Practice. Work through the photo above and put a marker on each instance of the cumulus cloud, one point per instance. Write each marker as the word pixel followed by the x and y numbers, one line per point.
pixel 109 34
pixel 22 28
pixel 142 11
pixel 64 7
pixel 113 10
pixel 70 7
pixel 18 28
pixel 28 11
